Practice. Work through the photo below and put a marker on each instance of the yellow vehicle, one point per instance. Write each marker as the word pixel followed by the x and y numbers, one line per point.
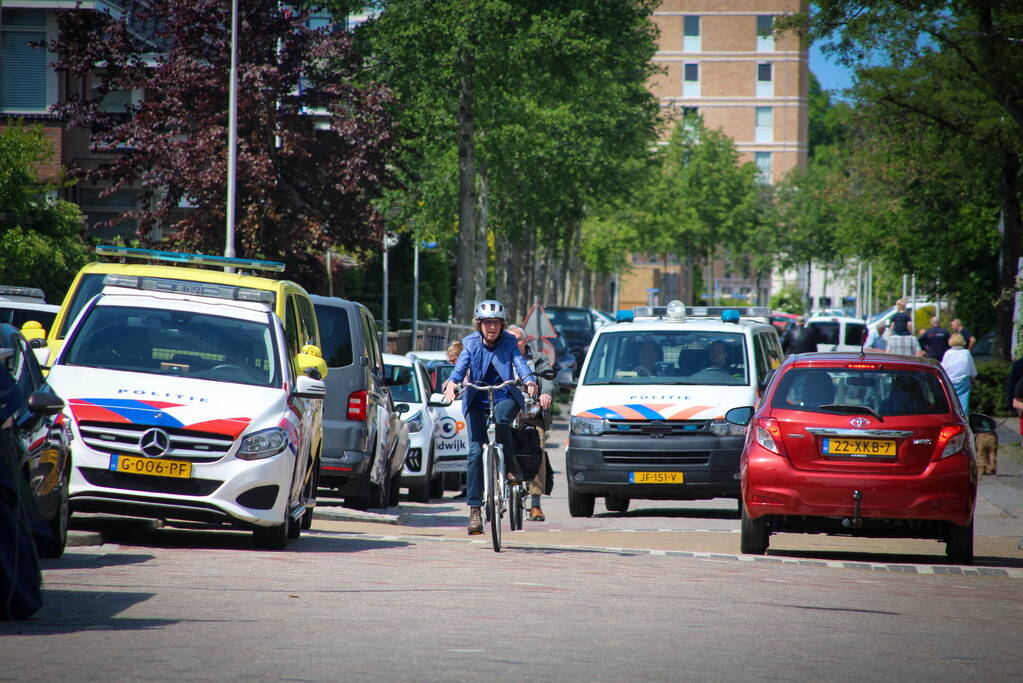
pixel 291 302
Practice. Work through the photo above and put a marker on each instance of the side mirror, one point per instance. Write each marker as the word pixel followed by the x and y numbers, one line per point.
pixel 982 423
pixel 307 387
pixel 402 408
pixel 740 416
pixel 311 359
pixel 45 403
pixel 438 401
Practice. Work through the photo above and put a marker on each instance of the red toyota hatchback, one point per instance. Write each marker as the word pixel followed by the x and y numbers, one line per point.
pixel 858 445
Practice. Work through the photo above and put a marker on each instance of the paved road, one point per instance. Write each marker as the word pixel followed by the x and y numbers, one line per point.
pixel 660 593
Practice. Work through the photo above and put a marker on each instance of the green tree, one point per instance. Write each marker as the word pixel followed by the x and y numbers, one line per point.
pixel 954 72
pixel 40 236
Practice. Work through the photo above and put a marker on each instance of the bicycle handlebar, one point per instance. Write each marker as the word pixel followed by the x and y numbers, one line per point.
pixel 502 385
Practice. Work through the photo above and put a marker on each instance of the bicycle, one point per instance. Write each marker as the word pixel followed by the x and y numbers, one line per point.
pixel 495 496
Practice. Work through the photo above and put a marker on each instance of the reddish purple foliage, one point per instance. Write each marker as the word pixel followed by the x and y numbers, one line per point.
pixel 299 189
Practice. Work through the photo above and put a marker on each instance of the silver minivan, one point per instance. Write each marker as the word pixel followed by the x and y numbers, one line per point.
pixel 365 441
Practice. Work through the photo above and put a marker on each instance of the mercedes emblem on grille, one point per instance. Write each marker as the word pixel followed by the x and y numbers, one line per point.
pixel 859 422
pixel 154 443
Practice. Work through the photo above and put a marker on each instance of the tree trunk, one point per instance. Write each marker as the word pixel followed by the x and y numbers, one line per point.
pixel 482 233
pixel 465 285
pixel 1008 256
pixel 809 293
pixel 505 271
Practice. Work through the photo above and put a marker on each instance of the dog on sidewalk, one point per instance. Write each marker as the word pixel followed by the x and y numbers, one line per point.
pixel 987 452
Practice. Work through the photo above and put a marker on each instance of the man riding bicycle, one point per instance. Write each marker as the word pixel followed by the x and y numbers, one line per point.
pixel 489 356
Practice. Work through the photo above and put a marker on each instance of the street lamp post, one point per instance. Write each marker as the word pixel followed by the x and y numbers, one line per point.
pixel 232 135
pixel 415 289
pixel 390 240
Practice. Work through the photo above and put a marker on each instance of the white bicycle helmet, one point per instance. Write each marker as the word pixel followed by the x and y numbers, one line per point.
pixel 489 309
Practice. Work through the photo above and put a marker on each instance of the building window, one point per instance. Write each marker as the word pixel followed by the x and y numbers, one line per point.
pixel 691 33
pixel 765 83
pixel 23 68
pixel 691 80
pixel 690 115
pixel 765 38
pixel 764 166
pixel 764 124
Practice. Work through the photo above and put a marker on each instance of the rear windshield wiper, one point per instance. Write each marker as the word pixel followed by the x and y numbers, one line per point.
pixel 847 408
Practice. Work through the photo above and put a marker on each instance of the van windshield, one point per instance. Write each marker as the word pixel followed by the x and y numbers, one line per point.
pixel 669 357
pixel 180 343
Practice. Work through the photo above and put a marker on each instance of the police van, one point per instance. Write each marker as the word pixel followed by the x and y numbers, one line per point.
pixel 647 418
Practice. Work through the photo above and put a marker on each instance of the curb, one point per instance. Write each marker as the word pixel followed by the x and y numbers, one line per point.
pixel 349 515
pixel 80 539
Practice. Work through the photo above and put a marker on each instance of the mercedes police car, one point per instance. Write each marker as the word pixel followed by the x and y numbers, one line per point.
pixel 647 418
pixel 186 403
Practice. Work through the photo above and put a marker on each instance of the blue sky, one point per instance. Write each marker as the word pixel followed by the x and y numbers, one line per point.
pixel 831 75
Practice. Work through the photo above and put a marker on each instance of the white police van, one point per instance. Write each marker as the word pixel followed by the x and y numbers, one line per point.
pixel 191 407
pixel 647 418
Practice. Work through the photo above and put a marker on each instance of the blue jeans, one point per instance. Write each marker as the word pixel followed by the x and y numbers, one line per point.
pixel 504 415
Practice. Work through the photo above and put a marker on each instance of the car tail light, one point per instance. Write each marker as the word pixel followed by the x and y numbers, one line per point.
pixel 768 434
pixel 357 405
pixel 951 440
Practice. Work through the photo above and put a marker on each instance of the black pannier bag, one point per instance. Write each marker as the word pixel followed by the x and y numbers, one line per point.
pixel 528 453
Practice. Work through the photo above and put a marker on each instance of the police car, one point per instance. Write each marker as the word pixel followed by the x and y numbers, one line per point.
pixel 647 418
pixel 190 407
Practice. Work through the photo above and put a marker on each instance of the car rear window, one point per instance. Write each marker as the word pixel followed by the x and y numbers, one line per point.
pixel 20 316
pixel 886 392
pixel 853 334
pixel 335 335
pixel 827 332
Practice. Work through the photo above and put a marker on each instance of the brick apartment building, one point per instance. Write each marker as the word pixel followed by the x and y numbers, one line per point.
pixel 719 59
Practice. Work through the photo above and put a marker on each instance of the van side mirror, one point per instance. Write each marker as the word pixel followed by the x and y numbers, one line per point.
pixel 45 403
pixel 402 408
pixel 438 400
pixel 982 423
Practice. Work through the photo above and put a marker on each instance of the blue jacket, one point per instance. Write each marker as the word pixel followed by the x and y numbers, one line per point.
pixel 475 358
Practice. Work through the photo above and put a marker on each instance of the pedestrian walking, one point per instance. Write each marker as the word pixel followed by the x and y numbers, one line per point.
pixel 957 326
pixel 805 339
pixel 934 340
pixel 958 363
pixel 902 321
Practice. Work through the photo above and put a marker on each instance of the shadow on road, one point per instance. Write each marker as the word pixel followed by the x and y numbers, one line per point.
pixel 71 611
pixel 893 558
pixel 704 513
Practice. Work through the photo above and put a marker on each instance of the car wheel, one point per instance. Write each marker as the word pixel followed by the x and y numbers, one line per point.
pixel 754 536
pixel 394 490
pixel 616 503
pixel 294 527
pixel 58 525
pixel 270 537
pixel 959 544
pixel 580 504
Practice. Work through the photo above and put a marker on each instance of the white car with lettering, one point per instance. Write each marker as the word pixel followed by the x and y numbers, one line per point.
pixel 190 408
pixel 450 434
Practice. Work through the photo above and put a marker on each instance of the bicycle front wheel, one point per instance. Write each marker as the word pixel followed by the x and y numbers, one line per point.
pixel 493 501
pixel 515 507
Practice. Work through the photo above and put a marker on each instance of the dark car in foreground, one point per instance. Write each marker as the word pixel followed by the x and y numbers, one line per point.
pixel 868 445
pixel 36 428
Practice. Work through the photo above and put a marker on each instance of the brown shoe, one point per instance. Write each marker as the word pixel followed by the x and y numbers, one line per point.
pixel 536 514
pixel 475 522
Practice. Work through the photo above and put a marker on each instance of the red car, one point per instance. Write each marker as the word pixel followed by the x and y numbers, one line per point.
pixel 859 445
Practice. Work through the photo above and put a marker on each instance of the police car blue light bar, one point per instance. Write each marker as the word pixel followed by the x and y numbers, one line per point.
pixel 193 259
pixel 156 284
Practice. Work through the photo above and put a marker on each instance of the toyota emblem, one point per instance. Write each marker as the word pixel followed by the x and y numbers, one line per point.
pixel 154 443
pixel 859 422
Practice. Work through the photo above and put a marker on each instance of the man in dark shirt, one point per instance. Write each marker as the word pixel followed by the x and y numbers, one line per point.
pixel 806 339
pixel 957 326
pixel 934 340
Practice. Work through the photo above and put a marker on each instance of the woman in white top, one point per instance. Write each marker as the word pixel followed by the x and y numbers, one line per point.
pixel 958 363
